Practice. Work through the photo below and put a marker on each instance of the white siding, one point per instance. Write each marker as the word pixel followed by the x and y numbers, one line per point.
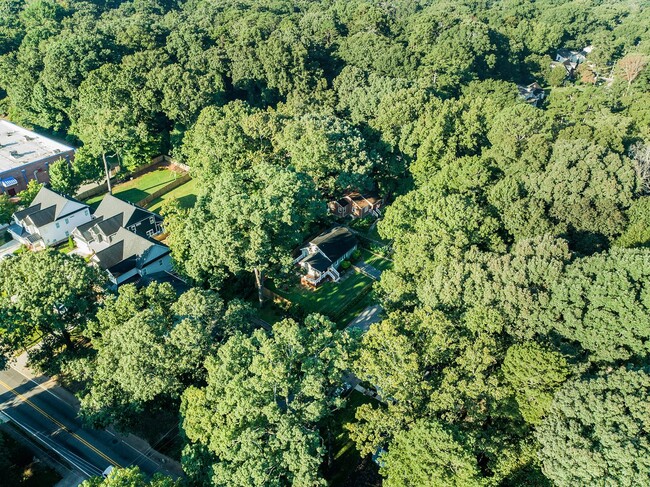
pixel 52 235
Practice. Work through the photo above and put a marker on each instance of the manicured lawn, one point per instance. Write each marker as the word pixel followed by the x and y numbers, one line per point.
pixel 139 188
pixel 376 261
pixel 330 298
pixel 185 194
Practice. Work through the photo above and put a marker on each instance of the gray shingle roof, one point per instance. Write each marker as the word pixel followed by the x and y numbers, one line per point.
pixel 127 251
pixel 111 206
pixel 49 206
pixel 335 243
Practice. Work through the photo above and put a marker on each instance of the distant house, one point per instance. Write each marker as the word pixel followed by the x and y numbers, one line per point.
pixel 26 155
pixel 356 205
pixel 111 215
pixel 323 256
pixel 570 60
pixel 49 220
pixel 532 94
pixel 128 257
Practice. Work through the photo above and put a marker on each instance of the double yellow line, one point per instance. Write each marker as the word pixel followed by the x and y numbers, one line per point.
pixel 58 423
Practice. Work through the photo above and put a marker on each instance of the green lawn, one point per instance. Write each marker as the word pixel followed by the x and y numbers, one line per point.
pixel 139 188
pixel 185 194
pixel 376 261
pixel 331 298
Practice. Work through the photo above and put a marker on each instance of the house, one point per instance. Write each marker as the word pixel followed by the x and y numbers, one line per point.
pixel 111 215
pixel 26 155
pixel 532 94
pixel 356 205
pixel 128 257
pixel 49 220
pixel 570 60
pixel 322 257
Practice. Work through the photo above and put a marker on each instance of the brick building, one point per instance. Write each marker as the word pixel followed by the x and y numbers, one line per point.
pixel 26 155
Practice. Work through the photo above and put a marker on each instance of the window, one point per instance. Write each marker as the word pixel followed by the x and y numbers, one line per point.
pixel 132 228
pixel 67 234
pixel 67 221
pixel 149 233
pixel 160 261
pixel 86 212
pixel 58 224
pixel 151 220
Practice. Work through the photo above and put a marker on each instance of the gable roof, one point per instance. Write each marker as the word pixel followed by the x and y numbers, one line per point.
pixel 127 251
pixel 128 213
pixel 334 244
pixel 49 206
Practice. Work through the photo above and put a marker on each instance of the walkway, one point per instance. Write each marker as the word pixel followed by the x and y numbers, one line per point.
pixel 370 271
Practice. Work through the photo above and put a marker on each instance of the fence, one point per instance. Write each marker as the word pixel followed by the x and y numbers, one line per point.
pixel 164 190
pixel 155 161
pixel 267 293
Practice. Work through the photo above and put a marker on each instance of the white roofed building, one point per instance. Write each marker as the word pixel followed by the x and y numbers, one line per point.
pixel 26 155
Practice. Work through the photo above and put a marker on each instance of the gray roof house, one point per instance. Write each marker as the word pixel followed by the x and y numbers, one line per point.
pixel 321 258
pixel 532 94
pixel 128 257
pixel 49 220
pixel 111 215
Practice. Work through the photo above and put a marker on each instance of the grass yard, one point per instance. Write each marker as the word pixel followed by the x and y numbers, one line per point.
pixel 139 188
pixel 376 261
pixel 332 298
pixel 185 194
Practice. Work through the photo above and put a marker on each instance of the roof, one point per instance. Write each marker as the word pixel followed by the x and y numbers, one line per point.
pixel 48 206
pixel 128 213
pixel 333 243
pixel 127 251
pixel 363 200
pixel 19 146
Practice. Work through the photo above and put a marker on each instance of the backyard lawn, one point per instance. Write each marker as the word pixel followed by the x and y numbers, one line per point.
pixel 139 188
pixel 185 194
pixel 332 298
pixel 376 261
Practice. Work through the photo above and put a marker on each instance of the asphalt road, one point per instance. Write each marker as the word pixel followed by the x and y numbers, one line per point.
pixel 41 412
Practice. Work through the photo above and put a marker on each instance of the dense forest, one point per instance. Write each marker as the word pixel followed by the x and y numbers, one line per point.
pixel 515 345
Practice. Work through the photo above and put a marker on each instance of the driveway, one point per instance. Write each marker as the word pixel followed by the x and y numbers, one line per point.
pixel 368 270
pixel 370 315
pixel 9 248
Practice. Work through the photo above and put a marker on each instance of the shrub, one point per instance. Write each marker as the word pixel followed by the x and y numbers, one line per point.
pixel 345 264
pixel 355 255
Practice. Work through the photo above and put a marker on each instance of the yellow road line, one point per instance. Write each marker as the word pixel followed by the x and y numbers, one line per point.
pixel 61 425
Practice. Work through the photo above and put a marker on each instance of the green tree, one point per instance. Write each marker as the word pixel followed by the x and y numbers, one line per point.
pixel 46 295
pixel 601 303
pixel 596 431
pixel 265 397
pixel 7 208
pixel 131 477
pixel 63 178
pixel 534 372
pixel 28 194
pixel 270 209
pixel 429 454
pixel 637 232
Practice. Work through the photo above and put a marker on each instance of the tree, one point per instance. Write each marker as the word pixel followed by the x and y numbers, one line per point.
pixel 429 454
pixel 600 302
pixel 637 232
pixel 46 295
pixel 631 66
pixel 265 397
pixel 596 431
pixel 63 178
pixel 29 193
pixel 131 477
pixel 150 345
pixel 534 372
pixel 7 208
pixel 640 154
pixel 269 211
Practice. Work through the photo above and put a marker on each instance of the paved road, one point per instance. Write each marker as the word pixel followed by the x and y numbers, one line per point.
pixel 39 408
pixel 370 315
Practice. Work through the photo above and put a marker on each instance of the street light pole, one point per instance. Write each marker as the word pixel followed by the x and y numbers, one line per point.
pixel 108 174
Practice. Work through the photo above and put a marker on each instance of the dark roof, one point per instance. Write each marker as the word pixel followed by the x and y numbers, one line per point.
pixel 110 226
pixel 127 251
pixel 49 206
pixel 318 261
pixel 335 242
pixel 111 206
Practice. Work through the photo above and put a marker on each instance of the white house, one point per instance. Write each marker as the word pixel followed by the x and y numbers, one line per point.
pixel 49 220
pixel 126 256
pixel 111 215
pixel 324 254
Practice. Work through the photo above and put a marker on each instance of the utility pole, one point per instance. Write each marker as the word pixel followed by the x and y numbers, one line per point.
pixel 108 174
